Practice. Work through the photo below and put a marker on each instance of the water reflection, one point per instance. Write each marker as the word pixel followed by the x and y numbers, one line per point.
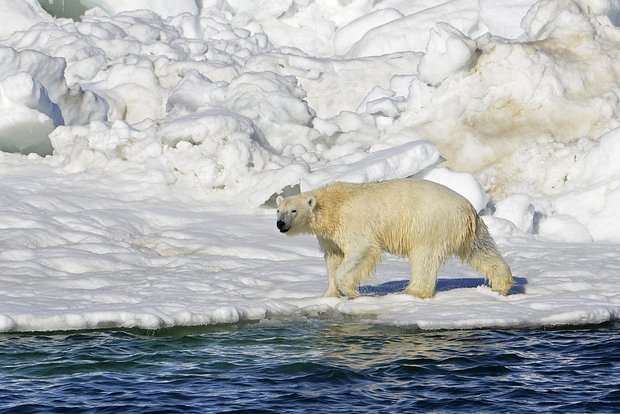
pixel 368 346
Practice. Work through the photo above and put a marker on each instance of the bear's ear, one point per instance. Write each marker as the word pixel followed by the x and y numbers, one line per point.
pixel 312 202
pixel 279 199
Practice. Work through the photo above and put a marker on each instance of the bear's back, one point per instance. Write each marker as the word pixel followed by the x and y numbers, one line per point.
pixel 406 191
pixel 398 213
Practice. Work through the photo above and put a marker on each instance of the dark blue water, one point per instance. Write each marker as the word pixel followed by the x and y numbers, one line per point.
pixel 312 366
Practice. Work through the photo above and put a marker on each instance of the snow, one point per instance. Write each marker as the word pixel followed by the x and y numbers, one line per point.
pixel 20 16
pixel 164 8
pixel 448 52
pixel 35 98
pixel 141 148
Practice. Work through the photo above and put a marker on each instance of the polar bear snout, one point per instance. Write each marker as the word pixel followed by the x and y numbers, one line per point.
pixel 290 215
pixel 281 225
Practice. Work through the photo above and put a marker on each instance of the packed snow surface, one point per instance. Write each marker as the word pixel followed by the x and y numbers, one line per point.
pixel 141 148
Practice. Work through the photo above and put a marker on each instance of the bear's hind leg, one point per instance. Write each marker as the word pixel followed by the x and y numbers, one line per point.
pixel 483 256
pixel 356 267
pixel 425 264
pixel 491 265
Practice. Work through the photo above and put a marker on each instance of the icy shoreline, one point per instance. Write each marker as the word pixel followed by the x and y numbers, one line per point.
pixel 90 251
pixel 161 132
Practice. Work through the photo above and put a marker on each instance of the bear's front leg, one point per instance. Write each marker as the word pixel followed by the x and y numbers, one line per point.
pixel 333 258
pixel 425 265
pixel 333 261
pixel 355 267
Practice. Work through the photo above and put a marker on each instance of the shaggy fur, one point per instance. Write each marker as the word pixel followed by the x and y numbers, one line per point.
pixel 418 219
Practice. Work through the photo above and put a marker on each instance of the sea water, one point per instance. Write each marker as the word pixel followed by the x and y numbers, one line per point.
pixel 312 366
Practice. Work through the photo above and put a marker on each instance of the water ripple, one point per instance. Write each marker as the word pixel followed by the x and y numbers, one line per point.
pixel 312 367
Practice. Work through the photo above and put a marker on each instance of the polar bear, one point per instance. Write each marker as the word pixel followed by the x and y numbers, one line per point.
pixel 418 219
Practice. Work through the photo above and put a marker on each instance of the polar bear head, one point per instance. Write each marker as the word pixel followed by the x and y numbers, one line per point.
pixel 295 213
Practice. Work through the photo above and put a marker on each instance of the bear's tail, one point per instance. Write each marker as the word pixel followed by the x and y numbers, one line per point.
pixel 483 256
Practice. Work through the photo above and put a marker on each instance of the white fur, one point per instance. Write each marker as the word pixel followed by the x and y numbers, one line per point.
pixel 418 219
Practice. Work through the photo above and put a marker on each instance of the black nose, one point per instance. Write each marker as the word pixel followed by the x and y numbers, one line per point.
pixel 280 224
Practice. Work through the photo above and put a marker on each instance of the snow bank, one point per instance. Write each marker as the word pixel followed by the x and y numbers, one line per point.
pixel 593 194
pixel 202 115
pixel 159 121
pixel 35 99
pixel 351 33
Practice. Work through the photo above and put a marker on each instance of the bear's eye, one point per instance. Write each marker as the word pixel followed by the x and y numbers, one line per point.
pixel 293 211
